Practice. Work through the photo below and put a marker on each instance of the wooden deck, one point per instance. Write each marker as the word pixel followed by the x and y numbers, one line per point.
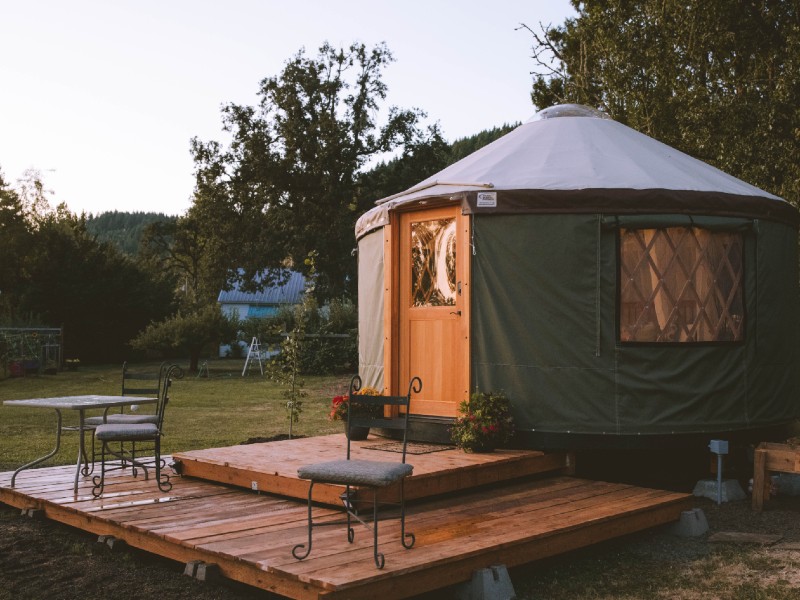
pixel 273 467
pixel 250 535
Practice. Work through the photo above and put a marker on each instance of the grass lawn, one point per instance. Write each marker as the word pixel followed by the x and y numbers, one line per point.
pixel 222 409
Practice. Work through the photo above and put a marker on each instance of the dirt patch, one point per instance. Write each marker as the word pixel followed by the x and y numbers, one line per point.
pixel 44 559
pixel 658 564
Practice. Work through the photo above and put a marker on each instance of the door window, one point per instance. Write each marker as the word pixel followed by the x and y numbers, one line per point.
pixel 433 263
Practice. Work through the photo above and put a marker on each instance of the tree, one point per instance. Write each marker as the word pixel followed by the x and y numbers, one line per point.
pixel 716 79
pixel 187 332
pixel 425 153
pixel 287 184
pixel 15 241
pixel 181 250
pixel 101 297
pixel 33 196
pixel 185 253
pixel 285 368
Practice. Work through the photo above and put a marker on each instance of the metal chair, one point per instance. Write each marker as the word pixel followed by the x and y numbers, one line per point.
pixel 371 474
pixel 147 384
pixel 132 433
pixel 152 388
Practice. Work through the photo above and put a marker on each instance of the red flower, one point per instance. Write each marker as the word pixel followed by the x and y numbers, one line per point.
pixel 338 408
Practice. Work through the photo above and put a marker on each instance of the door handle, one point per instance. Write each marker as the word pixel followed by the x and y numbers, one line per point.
pixel 456 313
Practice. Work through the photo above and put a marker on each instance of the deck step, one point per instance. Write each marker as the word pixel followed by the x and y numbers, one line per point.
pixel 272 467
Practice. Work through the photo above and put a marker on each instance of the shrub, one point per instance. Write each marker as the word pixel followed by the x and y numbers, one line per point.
pixel 485 422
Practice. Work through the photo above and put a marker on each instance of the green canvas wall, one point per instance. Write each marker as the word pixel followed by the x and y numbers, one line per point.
pixel 544 330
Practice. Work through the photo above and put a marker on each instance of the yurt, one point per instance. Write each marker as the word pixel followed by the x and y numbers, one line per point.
pixel 621 293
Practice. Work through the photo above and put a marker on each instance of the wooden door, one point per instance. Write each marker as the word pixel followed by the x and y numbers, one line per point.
pixel 433 308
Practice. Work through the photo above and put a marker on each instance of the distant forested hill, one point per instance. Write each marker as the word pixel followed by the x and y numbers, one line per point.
pixel 421 161
pixel 466 146
pixel 123 229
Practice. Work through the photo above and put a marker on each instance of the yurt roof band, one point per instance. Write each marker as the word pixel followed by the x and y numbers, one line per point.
pixel 607 201
pixel 629 201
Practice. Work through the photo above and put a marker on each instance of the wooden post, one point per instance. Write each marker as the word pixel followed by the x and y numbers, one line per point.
pixel 760 479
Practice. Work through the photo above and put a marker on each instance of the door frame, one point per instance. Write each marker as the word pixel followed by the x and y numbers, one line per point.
pixel 391 304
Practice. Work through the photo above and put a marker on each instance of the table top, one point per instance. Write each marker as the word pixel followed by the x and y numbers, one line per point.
pixel 81 402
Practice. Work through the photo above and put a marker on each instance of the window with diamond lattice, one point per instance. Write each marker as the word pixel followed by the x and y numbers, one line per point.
pixel 433 263
pixel 681 284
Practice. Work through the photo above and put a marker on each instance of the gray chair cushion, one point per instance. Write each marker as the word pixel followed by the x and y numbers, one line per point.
pixel 121 432
pixel 356 472
pixel 121 418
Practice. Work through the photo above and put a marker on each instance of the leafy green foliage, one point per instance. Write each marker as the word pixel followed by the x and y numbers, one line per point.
pixel 181 249
pixel 715 79
pixel 330 341
pixel 335 347
pixel 485 422
pixel 285 367
pixel 422 156
pixel 286 184
pixel 187 332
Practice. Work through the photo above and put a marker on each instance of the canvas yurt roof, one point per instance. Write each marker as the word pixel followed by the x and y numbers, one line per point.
pixel 572 158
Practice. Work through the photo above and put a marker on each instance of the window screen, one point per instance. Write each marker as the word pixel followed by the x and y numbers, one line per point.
pixel 680 284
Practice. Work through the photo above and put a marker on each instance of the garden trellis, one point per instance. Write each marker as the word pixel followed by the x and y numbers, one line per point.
pixel 30 349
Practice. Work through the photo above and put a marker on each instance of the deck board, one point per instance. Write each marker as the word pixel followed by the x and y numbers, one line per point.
pixel 250 535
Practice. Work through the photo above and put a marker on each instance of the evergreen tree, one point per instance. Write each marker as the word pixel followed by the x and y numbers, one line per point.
pixel 123 229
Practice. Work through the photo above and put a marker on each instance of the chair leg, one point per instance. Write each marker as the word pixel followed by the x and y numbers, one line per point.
pixel 351 533
pixel 88 468
pixel 133 458
pixel 99 481
pixel 310 526
pixel 407 539
pixel 403 534
pixel 162 480
pixel 379 559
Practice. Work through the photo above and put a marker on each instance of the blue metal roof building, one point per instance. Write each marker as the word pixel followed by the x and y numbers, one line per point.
pixel 266 302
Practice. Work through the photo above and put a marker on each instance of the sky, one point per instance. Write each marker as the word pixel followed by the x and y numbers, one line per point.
pixel 103 98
